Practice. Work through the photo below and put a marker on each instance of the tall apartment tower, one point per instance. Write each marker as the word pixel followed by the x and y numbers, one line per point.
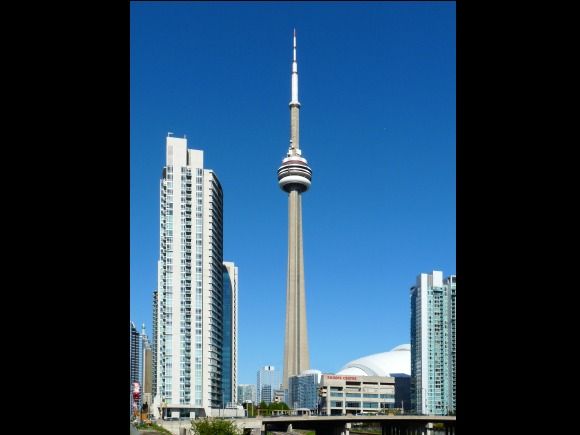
pixel 147 371
pixel 154 348
pixel 294 177
pixel 230 333
pixel 189 297
pixel 267 382
pixel 433 326
pixel 135 361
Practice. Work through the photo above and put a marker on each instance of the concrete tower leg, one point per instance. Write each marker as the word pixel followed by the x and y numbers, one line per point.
pixel 296 355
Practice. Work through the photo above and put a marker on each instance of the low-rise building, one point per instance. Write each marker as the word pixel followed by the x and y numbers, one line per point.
pixel 279 396
pixel 344 394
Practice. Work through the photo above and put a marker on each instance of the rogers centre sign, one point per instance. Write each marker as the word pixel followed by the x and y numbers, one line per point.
pixel 344 378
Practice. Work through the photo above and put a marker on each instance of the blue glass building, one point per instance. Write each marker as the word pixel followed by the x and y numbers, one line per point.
pixel 303 390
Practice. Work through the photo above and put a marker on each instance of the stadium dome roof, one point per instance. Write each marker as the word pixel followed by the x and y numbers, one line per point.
pixel 395 363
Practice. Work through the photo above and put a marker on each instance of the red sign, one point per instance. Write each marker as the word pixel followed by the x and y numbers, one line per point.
pixel 136 391
pixel 344 378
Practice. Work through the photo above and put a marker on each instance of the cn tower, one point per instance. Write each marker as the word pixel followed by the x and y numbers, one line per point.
pixel 294 177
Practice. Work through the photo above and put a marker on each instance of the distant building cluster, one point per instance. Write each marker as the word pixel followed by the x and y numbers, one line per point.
pixel 417 377
pixel 140 358
pixel 135 364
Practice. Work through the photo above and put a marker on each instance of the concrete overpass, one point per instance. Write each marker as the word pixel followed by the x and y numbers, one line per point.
pixel 341 425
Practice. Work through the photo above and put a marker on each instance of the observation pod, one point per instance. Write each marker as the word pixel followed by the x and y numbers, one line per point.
pixel 294 174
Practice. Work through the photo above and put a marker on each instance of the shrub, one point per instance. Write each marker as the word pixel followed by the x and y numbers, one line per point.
pixel 212 426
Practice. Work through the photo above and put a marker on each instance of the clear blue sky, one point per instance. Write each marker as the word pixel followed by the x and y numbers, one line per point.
pixel 377 125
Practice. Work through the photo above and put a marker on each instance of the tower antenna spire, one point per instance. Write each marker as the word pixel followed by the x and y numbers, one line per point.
pixel 294 103
pixel 294 58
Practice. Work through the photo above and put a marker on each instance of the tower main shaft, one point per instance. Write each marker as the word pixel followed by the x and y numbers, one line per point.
pixel 294 177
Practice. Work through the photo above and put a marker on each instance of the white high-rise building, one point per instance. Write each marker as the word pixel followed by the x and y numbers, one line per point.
pixel 268 380
pixel 230 334
pixel 433 326
pixel 189 301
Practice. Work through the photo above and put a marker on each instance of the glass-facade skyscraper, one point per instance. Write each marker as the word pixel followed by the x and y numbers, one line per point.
pixel 189 301
pixel 303 390
pixel 268 380
pixel 433 328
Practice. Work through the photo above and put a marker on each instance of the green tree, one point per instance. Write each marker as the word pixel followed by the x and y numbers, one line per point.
pixel 281 406
pixel 263 407
pixel 212 426
pixel 250 408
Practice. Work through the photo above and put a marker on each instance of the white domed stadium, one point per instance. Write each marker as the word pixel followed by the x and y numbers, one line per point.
pixel 395 363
